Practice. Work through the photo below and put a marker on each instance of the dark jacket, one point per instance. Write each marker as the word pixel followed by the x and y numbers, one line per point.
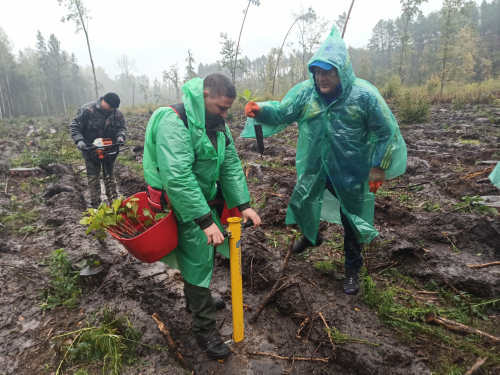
pixel 92 122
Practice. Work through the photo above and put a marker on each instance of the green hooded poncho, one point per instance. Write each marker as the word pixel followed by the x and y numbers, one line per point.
pixel 495 176
pixel 183 162
pixel 341 142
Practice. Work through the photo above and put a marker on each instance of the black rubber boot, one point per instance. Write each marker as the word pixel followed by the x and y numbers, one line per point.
pixel 212 343
pixel 205 331
pixel 303 243
pixel 110 187
pixel 351 282
pixel 94 184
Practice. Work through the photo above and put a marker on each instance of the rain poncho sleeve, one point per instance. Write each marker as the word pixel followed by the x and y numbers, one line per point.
pixel 286 111
pixel 232 179
pixel 495 176
pixel 380 122
pixel 175 156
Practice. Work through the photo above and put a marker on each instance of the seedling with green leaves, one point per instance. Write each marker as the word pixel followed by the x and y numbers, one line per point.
pixel 121 218
pixel 471 204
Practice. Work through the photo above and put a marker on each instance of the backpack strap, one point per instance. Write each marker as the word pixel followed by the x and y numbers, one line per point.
pixel 181 112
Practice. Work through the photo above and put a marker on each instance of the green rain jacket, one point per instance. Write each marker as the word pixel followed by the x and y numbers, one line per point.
pixel 339 142
pixel 183 162
pixel 495 176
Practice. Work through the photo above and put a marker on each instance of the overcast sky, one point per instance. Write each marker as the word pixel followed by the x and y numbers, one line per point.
pixel 157 33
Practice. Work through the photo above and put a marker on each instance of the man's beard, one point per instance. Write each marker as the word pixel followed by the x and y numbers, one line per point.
pixel 213 119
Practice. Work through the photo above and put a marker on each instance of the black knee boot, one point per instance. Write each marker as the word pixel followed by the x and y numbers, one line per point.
pixel 202 306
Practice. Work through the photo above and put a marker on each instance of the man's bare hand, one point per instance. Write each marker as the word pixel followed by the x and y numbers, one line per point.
pixel 214 235
pixel 377 174
pixel 377 177
pixel 250 214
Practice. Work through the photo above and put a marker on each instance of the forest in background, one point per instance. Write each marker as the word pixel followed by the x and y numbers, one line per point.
pixel 457 45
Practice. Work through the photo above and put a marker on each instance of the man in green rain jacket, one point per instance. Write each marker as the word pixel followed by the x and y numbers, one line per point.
pixel 190 155
pixel 349 141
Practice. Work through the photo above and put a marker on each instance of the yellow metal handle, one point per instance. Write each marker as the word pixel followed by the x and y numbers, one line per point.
pixel 234 230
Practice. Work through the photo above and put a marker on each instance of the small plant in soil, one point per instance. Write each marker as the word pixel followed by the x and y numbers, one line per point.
pixel 108 340
pixel 473 204
pixel 431 207
pixel 340 338
pixel 63 287
pixel 325 266
pixel 122 218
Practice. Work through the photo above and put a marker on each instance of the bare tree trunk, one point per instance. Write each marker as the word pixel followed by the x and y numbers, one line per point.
pixel 403 50
pixel 9 97
pixel 2 108
pixel 41 105
pixel 280 52
pixel 88 46
pixel 47 104
pixel 347 19
pixel 235 62
pixel 63 97
pixel 445 53
pixel 133 93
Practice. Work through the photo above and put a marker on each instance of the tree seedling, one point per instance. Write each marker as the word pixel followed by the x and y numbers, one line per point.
pixel 126 220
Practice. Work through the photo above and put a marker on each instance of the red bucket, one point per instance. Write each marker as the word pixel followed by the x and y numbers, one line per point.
pixel 155 242
pixel 227 213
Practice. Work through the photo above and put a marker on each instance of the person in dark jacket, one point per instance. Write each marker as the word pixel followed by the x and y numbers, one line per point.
pixel 100 119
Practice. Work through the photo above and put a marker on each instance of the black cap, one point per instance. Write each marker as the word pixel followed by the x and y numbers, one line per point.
pixel 112 99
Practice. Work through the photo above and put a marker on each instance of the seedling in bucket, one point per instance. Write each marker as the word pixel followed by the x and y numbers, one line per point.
pixel 122 218
pixel 146 234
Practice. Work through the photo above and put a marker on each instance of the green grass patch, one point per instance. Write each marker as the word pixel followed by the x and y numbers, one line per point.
pixel 326 267
pixel 108 340
pixel 52 148
pixel 398 306
pixel 340 338
pixel 18 219
pixel 63 289
pixel 413 106
pixel 469 141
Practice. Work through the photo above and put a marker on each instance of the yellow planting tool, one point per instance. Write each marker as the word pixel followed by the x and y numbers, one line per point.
pixel 234 229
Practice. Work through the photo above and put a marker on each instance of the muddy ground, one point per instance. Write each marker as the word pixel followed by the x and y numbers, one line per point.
pixel 431 229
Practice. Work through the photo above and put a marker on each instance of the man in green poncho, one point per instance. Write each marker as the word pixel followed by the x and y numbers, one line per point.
pixel 495 176
pixel 189 154
pixel 349 142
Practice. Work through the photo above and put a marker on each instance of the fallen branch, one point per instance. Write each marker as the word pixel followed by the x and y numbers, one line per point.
pixel 276 285
pixel 459 327
pixel 170 342
pixel 328 330
pixel 475 174
pixel 153 275
pixel 475 367
pixel 483 265
pixel 301 327
pixel 293 358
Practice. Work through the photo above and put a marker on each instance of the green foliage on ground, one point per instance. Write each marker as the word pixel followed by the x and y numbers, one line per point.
pixel 397 303
pixel 63 288
pixel 473 204
pixel 412 106
pixel 18 218
pixel 108 339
